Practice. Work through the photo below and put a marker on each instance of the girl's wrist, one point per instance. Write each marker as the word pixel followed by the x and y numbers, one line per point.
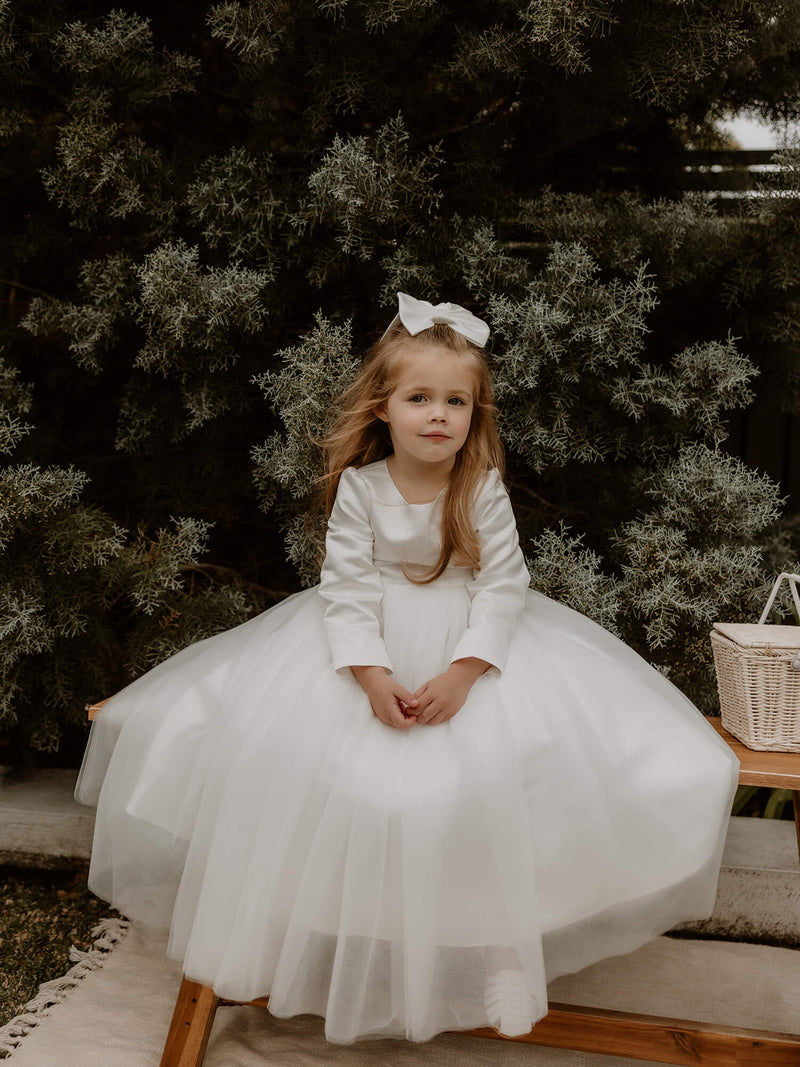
pixel 367 674
pixel 470 668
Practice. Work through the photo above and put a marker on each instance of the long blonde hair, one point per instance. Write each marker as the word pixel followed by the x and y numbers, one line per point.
pixel 359 437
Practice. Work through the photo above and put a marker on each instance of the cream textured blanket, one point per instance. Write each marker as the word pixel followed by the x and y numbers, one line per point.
pixel 117 1015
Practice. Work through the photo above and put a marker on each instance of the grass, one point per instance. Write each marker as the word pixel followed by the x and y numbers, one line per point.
pixel 42 913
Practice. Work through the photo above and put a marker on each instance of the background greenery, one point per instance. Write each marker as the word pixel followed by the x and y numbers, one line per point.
pixel 206 213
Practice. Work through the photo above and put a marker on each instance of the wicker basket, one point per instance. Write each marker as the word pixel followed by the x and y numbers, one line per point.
pixel 758 675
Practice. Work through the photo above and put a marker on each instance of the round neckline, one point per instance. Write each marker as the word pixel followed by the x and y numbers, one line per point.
pixel 408 503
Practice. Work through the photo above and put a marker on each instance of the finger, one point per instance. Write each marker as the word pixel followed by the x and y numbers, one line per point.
pixel 442 714
pixel 425 710
pixel 422 689
pixel 394 715
pixel 437 719
pixel 401 721
pixel 404 695
pixel 429 713
pixel 403 706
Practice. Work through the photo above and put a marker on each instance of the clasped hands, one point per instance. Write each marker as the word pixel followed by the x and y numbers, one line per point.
pixel 434 702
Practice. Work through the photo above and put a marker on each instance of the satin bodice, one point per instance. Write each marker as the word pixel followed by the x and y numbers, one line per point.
pixel 374 535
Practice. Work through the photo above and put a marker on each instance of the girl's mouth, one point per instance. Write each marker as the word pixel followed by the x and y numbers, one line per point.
pixel 436 436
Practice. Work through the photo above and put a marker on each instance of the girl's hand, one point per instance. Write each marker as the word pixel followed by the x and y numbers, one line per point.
pixel 390 702
pixel 439 699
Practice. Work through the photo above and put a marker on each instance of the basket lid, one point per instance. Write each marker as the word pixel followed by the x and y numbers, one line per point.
pixel 755 635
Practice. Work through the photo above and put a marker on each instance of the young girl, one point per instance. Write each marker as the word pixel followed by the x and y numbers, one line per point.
pixel 408 798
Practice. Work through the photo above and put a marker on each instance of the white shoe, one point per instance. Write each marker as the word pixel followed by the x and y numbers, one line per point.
pixel 510 1005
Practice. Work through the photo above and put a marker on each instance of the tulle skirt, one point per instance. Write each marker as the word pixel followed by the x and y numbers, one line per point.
pixel 296 847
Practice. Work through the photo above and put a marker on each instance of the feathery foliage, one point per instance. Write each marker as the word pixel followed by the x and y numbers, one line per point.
pixel 208 212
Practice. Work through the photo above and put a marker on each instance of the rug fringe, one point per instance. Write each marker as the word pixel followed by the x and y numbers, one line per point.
pixel 108 933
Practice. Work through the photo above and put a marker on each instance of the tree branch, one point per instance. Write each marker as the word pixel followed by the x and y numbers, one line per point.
pixel 211 569
pixel 27 288
pixel 483 115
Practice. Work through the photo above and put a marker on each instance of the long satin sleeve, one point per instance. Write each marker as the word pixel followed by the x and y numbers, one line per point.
pixel 350 582
pixel 499 587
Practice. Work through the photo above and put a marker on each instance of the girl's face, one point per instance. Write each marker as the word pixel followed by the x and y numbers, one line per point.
pixel 430 409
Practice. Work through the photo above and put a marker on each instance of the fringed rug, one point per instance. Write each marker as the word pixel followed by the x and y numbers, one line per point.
pixel 114 1007
pixel 105 936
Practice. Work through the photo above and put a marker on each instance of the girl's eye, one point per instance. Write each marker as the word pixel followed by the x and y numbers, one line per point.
pixel 418 398
pixel 455 400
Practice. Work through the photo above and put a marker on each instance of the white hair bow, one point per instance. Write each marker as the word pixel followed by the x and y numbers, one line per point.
pixel 419 315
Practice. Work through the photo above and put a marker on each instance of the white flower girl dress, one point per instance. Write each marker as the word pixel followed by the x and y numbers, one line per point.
pixel 295 846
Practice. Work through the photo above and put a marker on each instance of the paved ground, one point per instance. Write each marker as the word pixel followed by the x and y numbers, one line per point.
pixel 41 823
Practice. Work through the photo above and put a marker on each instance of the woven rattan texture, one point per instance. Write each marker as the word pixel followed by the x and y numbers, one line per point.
pixel 759 694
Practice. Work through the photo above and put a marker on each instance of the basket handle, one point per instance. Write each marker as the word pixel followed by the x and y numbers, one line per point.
pixel 792 579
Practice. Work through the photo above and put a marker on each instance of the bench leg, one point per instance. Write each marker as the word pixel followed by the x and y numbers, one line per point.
pixel 796 802
pixel 191 1025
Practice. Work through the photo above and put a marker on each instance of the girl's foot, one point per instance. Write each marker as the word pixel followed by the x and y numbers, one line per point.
pixel 510 1005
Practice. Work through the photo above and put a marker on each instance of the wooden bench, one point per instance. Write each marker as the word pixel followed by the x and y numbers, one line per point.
pixel 568 1026
pixel 775 770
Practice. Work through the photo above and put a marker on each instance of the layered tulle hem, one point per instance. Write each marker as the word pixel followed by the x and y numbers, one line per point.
pixel 296 847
